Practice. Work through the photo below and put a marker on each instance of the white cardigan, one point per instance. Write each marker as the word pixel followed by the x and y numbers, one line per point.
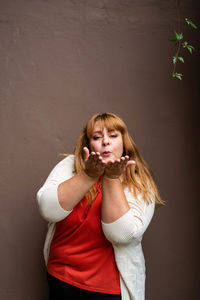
pixel 125 233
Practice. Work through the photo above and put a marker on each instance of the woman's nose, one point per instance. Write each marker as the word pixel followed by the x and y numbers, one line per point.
pixel 105 140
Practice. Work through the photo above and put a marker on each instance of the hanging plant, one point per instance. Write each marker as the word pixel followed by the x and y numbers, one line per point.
pixel 180 44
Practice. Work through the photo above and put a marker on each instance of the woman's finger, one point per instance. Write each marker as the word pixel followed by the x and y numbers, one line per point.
pixel 86 153
pixel 130 162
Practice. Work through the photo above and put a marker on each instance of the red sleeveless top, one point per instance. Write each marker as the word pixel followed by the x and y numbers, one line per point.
pixel 80 254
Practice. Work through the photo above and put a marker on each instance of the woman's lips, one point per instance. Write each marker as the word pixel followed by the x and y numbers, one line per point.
pixel 106 153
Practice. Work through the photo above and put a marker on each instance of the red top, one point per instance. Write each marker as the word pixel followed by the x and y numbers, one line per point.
pixel 80 254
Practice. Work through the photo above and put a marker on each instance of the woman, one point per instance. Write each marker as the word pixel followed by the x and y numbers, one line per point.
pixel 98 203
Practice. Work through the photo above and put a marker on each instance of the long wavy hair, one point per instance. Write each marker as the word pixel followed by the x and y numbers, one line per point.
pixel 136 177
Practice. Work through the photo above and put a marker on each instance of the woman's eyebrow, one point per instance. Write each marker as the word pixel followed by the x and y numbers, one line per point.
pixel 97 132
pixel 101 132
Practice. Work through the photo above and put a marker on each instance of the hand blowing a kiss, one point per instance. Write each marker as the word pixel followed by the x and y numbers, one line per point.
pixel 106 154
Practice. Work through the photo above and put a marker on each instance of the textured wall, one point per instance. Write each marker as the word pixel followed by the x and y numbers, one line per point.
pixel 62 61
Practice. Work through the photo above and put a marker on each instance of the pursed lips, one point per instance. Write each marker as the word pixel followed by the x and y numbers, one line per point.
pixel 105 153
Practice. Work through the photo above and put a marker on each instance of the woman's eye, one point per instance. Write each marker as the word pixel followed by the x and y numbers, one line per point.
pixel 113 135
pixel 96 138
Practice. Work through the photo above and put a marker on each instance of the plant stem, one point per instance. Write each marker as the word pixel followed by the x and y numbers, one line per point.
pixel 178 31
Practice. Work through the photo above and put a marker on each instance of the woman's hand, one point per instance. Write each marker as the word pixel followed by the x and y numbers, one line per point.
pixel 114 169
pixel 94 164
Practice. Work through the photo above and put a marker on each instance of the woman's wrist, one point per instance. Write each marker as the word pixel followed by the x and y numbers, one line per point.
pixel 91 175
pixel 111 177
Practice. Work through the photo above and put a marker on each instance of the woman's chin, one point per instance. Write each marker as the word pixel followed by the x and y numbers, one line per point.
pixel 108 159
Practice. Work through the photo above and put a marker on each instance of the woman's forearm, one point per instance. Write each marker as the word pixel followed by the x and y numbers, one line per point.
pixel 71 191
pixel 114 203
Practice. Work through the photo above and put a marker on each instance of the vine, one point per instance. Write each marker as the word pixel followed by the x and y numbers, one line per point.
pixel 179 43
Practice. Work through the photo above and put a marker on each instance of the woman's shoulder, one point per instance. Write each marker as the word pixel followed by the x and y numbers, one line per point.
pixel 66 164
pixel 67 160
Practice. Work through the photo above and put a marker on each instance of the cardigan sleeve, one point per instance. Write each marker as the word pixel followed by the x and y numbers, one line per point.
pixel 47 197
pixel 133 223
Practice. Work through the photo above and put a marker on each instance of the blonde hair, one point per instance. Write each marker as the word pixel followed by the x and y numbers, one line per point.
pixel 136 177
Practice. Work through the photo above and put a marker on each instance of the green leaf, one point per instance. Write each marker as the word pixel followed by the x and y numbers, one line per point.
pixel 178 36
pixel 181 59
pixel 177 75
pixel 174 59
pixel 184 44
pixel 190 48
pixel 189 22
pixel 173 40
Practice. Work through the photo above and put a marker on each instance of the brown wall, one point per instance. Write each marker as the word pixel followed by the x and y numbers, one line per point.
pixel 62 61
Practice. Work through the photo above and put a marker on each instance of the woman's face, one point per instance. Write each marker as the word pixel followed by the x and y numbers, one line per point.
pixel 108 143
